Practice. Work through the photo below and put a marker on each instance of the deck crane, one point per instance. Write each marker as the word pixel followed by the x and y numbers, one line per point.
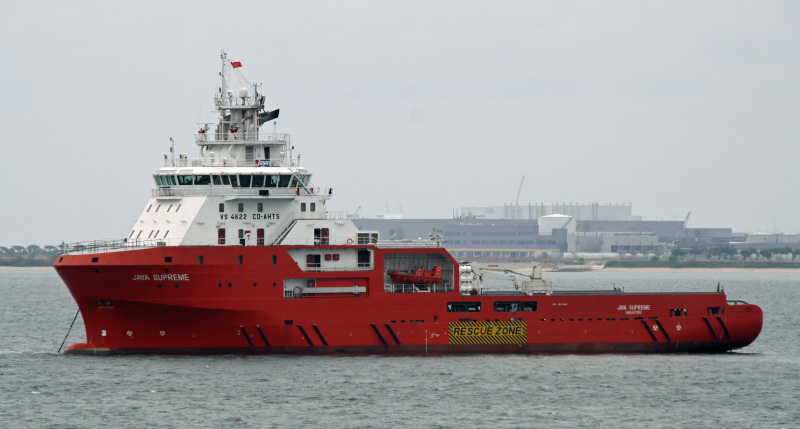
pixel 472 275
pixel 519 191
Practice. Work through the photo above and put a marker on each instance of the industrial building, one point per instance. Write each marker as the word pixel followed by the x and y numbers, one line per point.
pixel 763 240
pixel 549 231
pixel 579 211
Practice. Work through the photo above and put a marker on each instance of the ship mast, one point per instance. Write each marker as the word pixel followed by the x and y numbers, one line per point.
pixel 224 88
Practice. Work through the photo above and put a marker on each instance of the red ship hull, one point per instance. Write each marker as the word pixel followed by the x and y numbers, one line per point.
pixel 235 302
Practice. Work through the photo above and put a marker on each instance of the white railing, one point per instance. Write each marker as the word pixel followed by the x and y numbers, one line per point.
pixel 111 245
pixel 319 242
pixel 339 215
pixel 364 267
pixel 230 162
pixel 211 137
pixel 201 190
pixel 389 244
pixel 411 288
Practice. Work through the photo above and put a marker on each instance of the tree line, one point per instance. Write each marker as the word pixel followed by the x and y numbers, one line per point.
pixel 30 256
pixel 730 252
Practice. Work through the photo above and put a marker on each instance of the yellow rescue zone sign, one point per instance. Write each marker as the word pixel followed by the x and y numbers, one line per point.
pixel 488 332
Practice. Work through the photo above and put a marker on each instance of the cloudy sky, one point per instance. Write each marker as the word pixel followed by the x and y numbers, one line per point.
pixel 670 106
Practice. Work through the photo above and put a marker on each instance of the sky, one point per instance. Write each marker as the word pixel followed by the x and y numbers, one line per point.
pixel 672 107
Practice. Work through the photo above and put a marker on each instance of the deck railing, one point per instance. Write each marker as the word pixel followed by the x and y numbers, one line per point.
pixel 243 137
pixel 116 245
pixel 222 190
pixel 391 244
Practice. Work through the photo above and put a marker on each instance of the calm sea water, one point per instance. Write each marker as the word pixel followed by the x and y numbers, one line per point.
pixel 758 386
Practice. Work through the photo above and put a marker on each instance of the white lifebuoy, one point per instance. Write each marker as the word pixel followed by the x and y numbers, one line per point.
pixel 349 241
pixel 655 327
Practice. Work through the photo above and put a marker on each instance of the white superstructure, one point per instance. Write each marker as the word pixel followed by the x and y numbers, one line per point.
pixel 245 189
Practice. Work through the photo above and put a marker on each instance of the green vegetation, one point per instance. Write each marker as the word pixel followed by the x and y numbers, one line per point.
pixel 717 257
pixel 31 256
pixel 678 252
pixel 693 263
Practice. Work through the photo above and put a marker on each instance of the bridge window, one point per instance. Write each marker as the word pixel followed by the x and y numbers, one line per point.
pixel 271 181
pixel 244 180
pixel 202 180
pixel 258 181
pixel 185 180
pixel 284 181
pixel 217 180
pixel 463 307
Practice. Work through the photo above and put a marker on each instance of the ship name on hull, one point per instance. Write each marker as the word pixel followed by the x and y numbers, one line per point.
pixel 162 277
pixel 634 309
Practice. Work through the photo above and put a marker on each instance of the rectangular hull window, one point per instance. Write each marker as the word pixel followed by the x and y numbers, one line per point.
pixel 463 307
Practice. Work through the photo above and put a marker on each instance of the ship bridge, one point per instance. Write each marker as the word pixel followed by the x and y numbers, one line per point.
pixel 245 189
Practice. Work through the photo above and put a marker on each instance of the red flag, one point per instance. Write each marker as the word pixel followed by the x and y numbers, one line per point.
pixel 236 64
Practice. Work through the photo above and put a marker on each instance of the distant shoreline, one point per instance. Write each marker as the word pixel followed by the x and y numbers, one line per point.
pixel 697 270
pixel 8 268
pixel 601 270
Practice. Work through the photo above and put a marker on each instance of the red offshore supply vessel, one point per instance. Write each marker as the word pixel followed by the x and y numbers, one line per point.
pixel 236 253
